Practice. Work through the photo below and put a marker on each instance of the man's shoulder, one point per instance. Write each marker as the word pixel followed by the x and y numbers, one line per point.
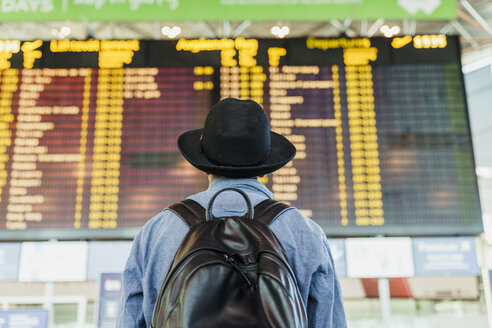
pixel 164 222
pixel 293 221
pixel 295 216
pixel 304 241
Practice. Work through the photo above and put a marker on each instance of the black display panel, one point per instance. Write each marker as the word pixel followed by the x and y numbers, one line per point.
pixel 88 131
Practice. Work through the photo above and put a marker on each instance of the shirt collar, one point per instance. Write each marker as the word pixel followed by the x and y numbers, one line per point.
pixel 248 184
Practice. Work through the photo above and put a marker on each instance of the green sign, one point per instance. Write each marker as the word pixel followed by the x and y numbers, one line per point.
pixel 232 10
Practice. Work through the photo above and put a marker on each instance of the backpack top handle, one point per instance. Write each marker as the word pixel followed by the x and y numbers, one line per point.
pixel 208 213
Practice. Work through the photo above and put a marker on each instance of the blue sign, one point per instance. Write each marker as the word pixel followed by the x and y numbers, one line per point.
pixel 24 319
pixel 9 261
pixel 337 248
pixel 109 299
pixel 454 256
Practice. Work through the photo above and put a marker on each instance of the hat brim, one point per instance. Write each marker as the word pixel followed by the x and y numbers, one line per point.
pixel 282 151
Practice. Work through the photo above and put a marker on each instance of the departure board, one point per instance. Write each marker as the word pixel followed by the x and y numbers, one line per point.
pixel 88 131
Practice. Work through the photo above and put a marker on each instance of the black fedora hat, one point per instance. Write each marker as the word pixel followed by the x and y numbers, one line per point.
pixel 236 142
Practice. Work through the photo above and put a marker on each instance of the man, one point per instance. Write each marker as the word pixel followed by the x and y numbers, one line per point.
pixel 233 149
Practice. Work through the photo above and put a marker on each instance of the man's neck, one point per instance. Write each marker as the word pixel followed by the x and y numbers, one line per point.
pixel 212 178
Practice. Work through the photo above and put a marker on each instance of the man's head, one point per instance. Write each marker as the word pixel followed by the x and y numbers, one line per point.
pixel 236 142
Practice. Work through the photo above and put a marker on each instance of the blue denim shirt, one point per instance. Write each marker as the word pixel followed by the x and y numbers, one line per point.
pixel 304 241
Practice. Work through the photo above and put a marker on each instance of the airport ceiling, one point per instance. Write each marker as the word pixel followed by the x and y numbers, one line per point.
pixel 473 24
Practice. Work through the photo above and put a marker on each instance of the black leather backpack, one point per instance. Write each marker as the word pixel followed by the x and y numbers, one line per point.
pixel 229 272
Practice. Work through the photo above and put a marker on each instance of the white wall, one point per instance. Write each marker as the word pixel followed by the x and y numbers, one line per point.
pixel 478 84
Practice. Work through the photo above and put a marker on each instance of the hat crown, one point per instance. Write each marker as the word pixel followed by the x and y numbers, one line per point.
pixel 236 133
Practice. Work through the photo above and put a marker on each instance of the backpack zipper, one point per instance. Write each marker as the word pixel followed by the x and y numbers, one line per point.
pixel 232 261
pixel 180 266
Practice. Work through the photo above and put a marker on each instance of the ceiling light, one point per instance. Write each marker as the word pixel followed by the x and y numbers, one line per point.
pixel 65 30
pixel 171 32
pixel 389 31
pixel 279 32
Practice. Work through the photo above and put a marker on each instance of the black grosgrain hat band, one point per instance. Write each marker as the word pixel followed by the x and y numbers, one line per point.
pixel 225 164
pixel 236 141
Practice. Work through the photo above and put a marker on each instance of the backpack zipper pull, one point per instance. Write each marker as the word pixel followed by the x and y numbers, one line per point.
pixel 232 262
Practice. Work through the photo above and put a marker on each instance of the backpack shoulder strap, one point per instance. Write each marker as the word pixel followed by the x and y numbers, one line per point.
pixel 267 210
pixel 189 211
